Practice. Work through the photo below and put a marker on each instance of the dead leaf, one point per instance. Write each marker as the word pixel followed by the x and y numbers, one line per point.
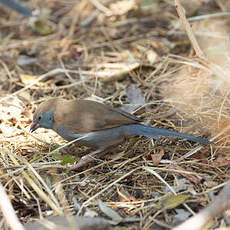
pixel 134 97
pixel 181 214
pixel 24 60
pixel 116 218
pixel 151 56
pixel 157 157
pixel 220 161
pixel 27 79
pixel 190 177
pixel 124 195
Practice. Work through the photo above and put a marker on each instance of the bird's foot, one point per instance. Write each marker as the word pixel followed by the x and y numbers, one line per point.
pixel 85 160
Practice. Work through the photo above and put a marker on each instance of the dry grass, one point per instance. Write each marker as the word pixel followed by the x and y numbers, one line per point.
pixel 97 51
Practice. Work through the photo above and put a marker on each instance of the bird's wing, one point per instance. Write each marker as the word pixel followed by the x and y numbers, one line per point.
pixel 83 116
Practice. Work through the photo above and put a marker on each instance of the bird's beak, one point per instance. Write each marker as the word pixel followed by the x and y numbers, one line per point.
pixel 34 126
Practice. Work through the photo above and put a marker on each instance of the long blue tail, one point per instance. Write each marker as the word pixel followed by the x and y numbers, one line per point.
pixel 17 6
pixel 155 133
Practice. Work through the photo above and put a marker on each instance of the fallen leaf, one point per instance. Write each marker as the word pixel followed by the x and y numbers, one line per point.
pixel 181 214
pixel 27 79
pixel 116 218
pixel 220 161
pixel 43 28
pixel 124 195
pixel 25 60
pixel 173 201
pixel 190 177
pixel 157 157
pixel 151 56
pixel 67 159
pixel 134 97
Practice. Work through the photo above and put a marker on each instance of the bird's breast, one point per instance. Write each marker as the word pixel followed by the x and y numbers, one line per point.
pixel 97 139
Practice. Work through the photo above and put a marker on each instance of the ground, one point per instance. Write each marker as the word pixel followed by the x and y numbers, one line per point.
pixel 120 53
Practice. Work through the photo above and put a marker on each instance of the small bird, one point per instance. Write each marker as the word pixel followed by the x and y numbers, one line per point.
pixel 98 126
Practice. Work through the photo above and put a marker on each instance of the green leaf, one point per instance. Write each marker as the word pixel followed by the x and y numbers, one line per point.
pixel 174 200
pixel 67 159
pixel 42 28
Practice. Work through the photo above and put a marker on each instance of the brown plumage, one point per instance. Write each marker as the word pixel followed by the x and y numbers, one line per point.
pixel 83 116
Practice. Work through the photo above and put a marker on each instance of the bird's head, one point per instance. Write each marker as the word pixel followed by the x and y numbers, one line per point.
pixel 44 115
pixel 42 120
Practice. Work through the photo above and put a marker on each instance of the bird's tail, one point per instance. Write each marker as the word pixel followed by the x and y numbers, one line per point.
pixel 17 6
pixel 155 133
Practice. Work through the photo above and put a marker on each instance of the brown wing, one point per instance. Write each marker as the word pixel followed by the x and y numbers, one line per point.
pixel 83 116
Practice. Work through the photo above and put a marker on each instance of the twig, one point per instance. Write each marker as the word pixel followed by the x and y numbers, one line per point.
pixel 8 211
pixel 203 218
pixel 107 187
pixel 188 29
pixel 101 7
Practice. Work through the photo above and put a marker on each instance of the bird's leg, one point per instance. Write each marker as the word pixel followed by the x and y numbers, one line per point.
pixel 86 159
pixel 101 150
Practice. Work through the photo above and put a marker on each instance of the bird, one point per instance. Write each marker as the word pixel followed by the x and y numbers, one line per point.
pixel 95 125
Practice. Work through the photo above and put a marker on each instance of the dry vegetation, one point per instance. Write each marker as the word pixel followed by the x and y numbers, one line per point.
pixel 97 49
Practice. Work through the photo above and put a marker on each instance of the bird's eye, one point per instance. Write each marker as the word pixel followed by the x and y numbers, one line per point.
pixel 39 118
